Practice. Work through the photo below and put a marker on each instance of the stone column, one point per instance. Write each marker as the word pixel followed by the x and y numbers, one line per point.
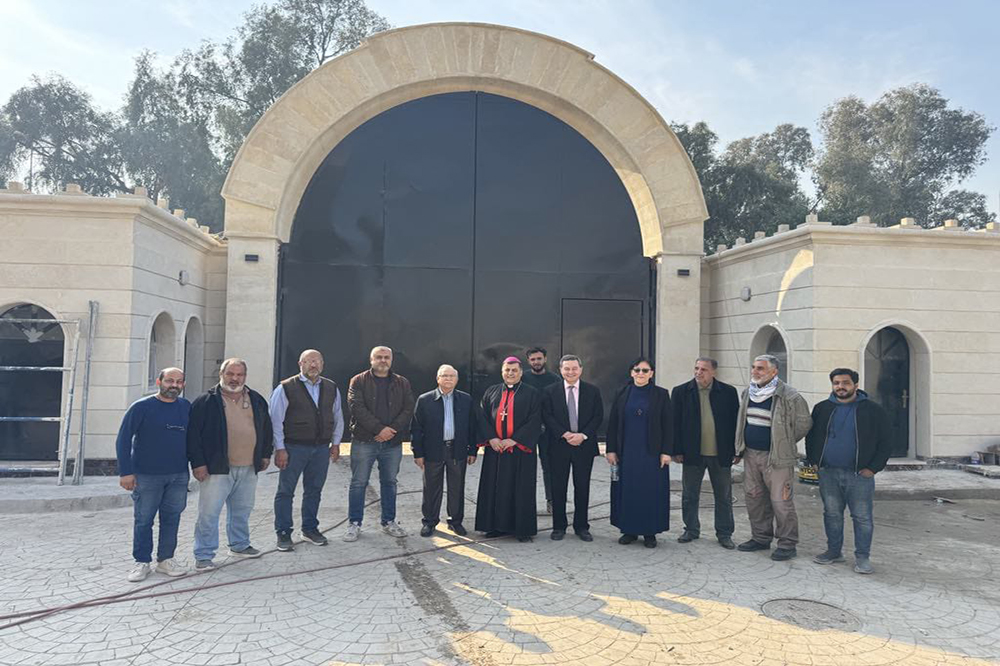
pixel 678 301
pixel 251 305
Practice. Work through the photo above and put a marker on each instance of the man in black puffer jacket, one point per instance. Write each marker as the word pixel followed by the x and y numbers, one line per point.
pixel 849 442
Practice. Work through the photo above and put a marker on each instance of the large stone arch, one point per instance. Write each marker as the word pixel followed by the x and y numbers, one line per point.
pixel 281 153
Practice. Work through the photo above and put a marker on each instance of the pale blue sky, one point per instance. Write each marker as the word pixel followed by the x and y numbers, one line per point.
pixel 744 67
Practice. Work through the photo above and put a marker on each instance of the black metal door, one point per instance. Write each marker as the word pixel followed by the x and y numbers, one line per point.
pixel 887 381
pixel 607 335
pixel 451 228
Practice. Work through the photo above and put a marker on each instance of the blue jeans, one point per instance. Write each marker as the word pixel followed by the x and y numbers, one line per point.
pixel 165 494
pixel 363 457
pixel 840 488
pixel 236 491
pixel 312 464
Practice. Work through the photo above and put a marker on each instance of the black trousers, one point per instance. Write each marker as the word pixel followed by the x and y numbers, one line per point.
pixel 434 479
pixel 563 459
pixel 722 488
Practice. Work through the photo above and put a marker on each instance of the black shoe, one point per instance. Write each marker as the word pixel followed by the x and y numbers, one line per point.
pixel 426 530
pixel 751 545
pixel 493 534
pixel 687 537
pixel 727 543
pixel 525 539
pixel 626 539
pixel 649 541
pixel 285 542
pixel 458 529
pixel 782 554
pixel 585 535
pixel 315 537
pixel 557 535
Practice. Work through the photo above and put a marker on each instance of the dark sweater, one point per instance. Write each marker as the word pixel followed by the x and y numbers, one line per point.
pixel 153 437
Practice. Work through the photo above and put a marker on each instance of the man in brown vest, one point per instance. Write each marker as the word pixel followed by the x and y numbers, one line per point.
pixel 308 425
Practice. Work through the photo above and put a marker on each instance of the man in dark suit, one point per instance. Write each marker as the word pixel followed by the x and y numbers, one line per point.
pixel 443 432
pixel 705 412
pixel 572 411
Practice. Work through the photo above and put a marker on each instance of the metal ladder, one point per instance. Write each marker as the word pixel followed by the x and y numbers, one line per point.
pixel 66 418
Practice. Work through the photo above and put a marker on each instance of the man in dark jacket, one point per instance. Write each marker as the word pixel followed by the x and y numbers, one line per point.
pixel 229 440
pixel 308 425
pixel 381 408
pixel 443 437
pixel 540 377
pixel 849 442
pixel 572 411
pixel 705 411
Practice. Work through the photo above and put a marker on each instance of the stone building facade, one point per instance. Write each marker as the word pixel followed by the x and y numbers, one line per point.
pixel 884 301
pixel 160 285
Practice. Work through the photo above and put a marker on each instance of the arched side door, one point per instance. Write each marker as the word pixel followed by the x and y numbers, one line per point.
pixel 30 393
pixel 887 381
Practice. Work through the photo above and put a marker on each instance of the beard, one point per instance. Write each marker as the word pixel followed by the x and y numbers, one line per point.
pixel 171 392
pixel 234 389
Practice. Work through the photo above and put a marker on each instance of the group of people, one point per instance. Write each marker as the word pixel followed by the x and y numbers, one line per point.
pixel 229 434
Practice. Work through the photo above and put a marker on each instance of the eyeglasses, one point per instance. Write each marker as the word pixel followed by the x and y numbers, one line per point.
pixel 642 371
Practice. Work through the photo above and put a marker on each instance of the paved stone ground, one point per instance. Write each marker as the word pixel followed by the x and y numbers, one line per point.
pixel 935 598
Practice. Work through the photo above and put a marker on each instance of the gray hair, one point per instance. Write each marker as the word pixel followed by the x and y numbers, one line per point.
pixel 708 359
pixel 771 360
pixel 445 366
pixel 377 347
pixel 232 361
pixel 570 357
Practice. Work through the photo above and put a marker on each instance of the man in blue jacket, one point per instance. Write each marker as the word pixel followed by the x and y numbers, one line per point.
pixel 152 463
pixel 444 438
pixel 849 442
pixel 229 440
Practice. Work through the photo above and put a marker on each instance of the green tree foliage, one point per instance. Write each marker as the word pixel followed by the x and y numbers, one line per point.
pixel 898 156
pixel 180 127
pixel 233 83
pixel 52 127
pixel 754 184
pixel 168 147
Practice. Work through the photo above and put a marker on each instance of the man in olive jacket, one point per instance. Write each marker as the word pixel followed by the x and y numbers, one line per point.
pixel 849 442
pixel 773 417
pixel 381 405
pixel 705 411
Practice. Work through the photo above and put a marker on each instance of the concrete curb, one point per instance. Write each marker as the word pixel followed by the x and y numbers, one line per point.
pixel 65 504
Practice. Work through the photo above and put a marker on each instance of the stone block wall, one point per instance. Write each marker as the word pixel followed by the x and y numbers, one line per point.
pixel 829 289
pixel 139 262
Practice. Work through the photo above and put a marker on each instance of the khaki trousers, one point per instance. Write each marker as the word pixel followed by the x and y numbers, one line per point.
pixel 769 500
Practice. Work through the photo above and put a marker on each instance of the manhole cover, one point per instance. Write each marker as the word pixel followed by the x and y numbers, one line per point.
pixel 813 615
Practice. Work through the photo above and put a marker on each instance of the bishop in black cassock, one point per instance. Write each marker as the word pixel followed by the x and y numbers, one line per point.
pixel 512 414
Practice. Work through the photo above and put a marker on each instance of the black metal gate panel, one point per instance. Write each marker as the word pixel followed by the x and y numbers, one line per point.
pixel 451 229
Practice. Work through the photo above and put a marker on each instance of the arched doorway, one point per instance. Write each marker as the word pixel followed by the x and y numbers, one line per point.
pixel 769 340
pixel 194 359
pixel 30 393
pixel 162 347
pixel 287 147
pixel 887 381
pixel 464 228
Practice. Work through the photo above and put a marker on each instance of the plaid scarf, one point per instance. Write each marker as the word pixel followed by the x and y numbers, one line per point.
pixel 761 393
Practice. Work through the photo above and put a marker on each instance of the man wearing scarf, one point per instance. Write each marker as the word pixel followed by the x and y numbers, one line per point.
pixel 773 417
pixel 511 426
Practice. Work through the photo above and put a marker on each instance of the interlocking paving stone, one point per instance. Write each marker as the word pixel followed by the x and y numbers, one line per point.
pixel 934 598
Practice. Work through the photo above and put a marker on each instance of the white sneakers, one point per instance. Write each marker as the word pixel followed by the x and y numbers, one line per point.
pixel 139 572
pixel 170 568
pixel 392 528
pixel 353 530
